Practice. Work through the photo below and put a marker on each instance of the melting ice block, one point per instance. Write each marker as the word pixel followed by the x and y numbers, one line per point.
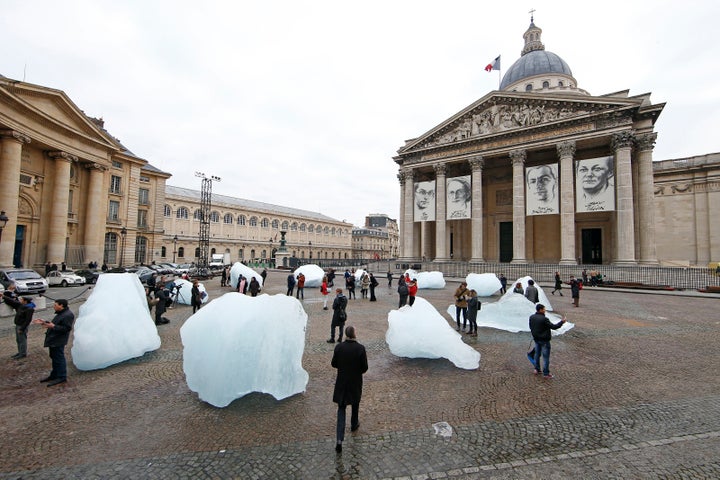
pixel 184 295
pixel 419 331
pixel 313 274
pixel 239 344
pixel 428 280
pixel 485 284
pixel 114 324
pixel 524 281
pixel 239 269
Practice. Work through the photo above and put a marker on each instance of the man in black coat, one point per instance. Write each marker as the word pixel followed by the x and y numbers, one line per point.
pixel 339 315
pixel 162 297
pixel 350 359
pixel 540 327
pixel 24 310
pixel 57 333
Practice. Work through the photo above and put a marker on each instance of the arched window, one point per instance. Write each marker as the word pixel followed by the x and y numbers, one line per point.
pixel 528 87
pixel 197 252
pixel 294 227
pixel 253 221
pixel 252 254
pixel 241 254
pixel 212 251
pixel 275 224
pixel 181 252
pixel 167 211
pixel 546 84
pixel 111 247
pixel 228 218
pixel 303 227
pixel 241 220
pixel 182 213
pixel 285 225
pixel 163 251
pixel 197 215
pixel 311 228
pixel 326 230
pixel 141 249
pixel 332 232
pixel 265 223
pixel 560 84
pixel 214 217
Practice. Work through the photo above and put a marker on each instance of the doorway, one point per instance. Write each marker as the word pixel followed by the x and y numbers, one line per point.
pixel 506 241
pixel 592 246
pixel 19 240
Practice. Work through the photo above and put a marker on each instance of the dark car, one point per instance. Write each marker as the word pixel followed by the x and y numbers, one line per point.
pixel 90 276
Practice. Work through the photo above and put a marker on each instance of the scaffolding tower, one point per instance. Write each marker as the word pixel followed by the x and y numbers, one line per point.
pixel 205 204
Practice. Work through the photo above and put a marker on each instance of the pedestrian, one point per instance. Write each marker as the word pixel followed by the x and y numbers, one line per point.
pixel 161 306
pixel 223 277
pixel 11 291
pixel 403 292
pixel 63 267
pixel 373 283
pixel 152 281
pixel 350 359
pixel 151 300
pixel 254 287
pixel 584 276
pixel 300 286
pixel 264 274
pixel 389 278
pixel 474 306
pixel 324 291
pixel 195 296
pixel 540 327
pixel 48 268
pixel 531 292
pixel 558 284
pixel 412 291
pixel 24 310
pixel 364 285
pixel 331 278
pixel 350 282
pixel 242 284
pixel 503 283
pixel 57 333
pixel 575 291
pixel 461 305
pixel 290 285
pixel 104 267
pixel 339 315
pixel 519 289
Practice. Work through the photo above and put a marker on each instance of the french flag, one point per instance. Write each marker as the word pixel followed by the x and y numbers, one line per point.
pixel 494 65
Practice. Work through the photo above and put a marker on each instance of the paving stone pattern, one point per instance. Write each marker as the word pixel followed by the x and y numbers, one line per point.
pixel 636 395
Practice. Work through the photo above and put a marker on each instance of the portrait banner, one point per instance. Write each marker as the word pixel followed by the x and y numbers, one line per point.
pixel 542 190
pixel 595 185
pixel 459 196
pixel 424 201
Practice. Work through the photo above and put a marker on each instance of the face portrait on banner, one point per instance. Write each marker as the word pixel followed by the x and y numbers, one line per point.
pixel 595 184
pixel 459 195
pixel 542 190
pixel 425 201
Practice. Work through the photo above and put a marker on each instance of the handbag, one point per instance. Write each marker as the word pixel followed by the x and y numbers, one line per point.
pixel 531 354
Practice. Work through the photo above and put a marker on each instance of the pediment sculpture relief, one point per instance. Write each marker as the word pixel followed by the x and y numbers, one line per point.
pixel 499 118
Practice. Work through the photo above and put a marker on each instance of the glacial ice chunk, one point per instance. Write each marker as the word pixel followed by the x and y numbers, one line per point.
pixel 419 331
pixel 313 274
pixel 114 324
pixel 184 295
pixel 240 269
pixel 428 280
pixel 541 293
pixel 485 284
pixel 239 344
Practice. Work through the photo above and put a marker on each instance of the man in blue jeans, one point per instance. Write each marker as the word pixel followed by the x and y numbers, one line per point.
pixel 540 327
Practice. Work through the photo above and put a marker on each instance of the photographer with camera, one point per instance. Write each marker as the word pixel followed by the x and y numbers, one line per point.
pixel 162 298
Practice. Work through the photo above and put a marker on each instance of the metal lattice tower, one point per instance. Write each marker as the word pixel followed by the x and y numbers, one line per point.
pixel 205 204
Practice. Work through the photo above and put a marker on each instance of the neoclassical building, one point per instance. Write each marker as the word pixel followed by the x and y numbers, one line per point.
pixel 249 230
pixel 377 240
pixel 537 171
pixel 71 191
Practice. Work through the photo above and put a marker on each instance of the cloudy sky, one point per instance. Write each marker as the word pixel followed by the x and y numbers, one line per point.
pixel 304 103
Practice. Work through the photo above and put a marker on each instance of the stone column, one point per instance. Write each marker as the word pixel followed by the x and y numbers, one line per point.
pixel 441 253
pixel 625 221
pixel 95 214
pixel 59 207
pixel 406 178
pixel 566 151
pixel 518 162
pixel 476 232
pixel 646 199
pixel 11 143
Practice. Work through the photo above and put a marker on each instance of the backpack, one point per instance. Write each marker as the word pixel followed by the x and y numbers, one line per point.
pixel 403 289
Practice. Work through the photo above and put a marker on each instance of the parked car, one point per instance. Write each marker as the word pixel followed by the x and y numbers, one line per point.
pixel 64 279
pixel 26 280
pixel 90 276
pixel 144 273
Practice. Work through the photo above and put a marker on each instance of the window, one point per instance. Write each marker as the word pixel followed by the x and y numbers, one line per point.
pixel 294 227
pixel 275 224
pixel 285 225
pixel 182 213
pixel 197 215
pixel 241 220
pixel 528 87
pixel 214 217
pixel 144 179
pixel 70 202
pixel 140 249
pixel 303 227
pixel 143 196
pixel 181 252
pixel 212 251
pixel 326 230
pixel 111 243
pixel 240 254
pixel 142 219
pixel 228 218
pixel 333 231
pixel 167 211
pixel 115 182
pixel 197 252
pixel 253 221
pixel 546 84
pixel 264 223
pixel 116 164
pixel 311 228
pixel 163 251
pixel 560 84
pixel 114 210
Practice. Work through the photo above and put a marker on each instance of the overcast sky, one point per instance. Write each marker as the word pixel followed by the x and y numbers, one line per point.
pixel 304 104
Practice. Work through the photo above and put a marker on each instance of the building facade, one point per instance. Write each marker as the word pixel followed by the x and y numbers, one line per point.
pixel 538 171
pixel 378 240
pixel 72 192
pixel 249 231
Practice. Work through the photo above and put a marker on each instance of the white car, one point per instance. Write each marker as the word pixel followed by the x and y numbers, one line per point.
pixel 64 279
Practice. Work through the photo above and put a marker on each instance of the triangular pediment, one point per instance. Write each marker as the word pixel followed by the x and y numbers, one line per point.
pixel 499 113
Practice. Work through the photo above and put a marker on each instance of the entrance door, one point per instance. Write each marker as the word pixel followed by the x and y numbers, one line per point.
pixel 19 240
pixel 506 241
pixel 592 246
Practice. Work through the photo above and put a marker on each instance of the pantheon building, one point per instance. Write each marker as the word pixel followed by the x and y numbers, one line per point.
pixel 542 171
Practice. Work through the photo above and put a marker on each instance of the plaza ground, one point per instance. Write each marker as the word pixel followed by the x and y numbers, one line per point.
pixel 636 395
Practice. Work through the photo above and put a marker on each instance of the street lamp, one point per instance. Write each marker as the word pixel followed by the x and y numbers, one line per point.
pixel 123 233
pixel 175 240
pixel 310 249
pixel 3 221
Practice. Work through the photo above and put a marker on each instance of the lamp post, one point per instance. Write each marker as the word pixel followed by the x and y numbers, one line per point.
pixel 310 249
pixel 123 233
pixel 3 221
pixel 175 240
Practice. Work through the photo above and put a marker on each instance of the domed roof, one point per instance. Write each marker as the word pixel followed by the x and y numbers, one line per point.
pixel 536 62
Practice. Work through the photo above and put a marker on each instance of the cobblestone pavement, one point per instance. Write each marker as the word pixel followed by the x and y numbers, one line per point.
pixel 636 395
